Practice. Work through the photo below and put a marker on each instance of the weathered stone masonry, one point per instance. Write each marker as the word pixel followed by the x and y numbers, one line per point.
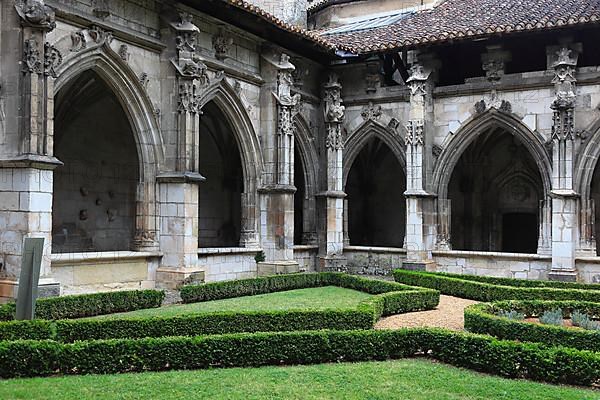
pixel 152 143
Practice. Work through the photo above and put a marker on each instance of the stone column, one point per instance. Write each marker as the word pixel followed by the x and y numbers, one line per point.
pixel 178 189
pixel 564 198
pixel 420 226
pixel 278 192
pixel 26 152
pixel 331 199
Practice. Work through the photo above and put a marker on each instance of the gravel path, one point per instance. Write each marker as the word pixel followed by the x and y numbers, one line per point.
pixel 448 314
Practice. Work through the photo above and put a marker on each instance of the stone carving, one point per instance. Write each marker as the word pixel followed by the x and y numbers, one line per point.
pixel 52 59
pixel 334 113
pixel 83 215
pixel 84 191
pixel 493 101
pixel 31 57
pixel 187 62
pixel 100 8
pixel 371 112
pixel 35 13
pixel 78 41
pixel 436 150
pixel 564 79
pixel 417 82
pixel 494 69
pixel 124 53
pixel 99 35
pixel 564 82
pixel 221 43
pixel 144 79
pixel 414 132
pixel 286 102
pixel 188 97
pixel 393 125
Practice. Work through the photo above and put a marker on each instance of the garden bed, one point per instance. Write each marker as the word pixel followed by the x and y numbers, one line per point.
pixel 492 289
pixel 385 298
pixel 488 319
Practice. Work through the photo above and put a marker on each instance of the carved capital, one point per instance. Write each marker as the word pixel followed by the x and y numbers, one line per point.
pixel 32 62
pixel 52 59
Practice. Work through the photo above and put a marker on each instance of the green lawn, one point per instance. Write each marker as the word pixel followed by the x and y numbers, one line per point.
pixel 404 379
pixel 312 298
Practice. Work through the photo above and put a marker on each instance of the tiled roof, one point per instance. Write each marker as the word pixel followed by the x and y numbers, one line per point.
pixel 270 18
pixel 461 19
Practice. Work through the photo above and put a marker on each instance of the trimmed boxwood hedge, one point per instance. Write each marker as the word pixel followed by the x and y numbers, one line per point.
pixel 394 298
pixel 482 318
pixel 460 286
pixel 279 283
pixel 481 353
pixel 522 282
pixel 89 305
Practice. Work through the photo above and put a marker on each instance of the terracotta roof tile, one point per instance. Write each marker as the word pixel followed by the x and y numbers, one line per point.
pixel 468 18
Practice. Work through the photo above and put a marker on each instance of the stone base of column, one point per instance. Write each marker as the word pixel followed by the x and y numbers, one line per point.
pixel 333 263
pixel 167 278
pixel 425 265
pixel 277 267
pixel 47 287
pixel 563 275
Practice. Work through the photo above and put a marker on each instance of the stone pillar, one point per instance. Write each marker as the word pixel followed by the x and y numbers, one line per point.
pixel 420 224
pixel 278 192
pixel 331 200
pixel 565 201
pixel 26 151
pixel 178 189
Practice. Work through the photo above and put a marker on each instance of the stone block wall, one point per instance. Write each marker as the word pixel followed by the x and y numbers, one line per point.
pixel 222 264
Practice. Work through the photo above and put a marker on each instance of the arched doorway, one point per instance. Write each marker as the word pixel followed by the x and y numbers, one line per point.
pixel 94 201
pixel 220 196
pixel 595 197
pixel 376 205
pixel 495 191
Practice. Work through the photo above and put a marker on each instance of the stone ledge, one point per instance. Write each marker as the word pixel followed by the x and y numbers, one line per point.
pixel 207 251
pixel 371 249
pixel 306 247
pixel 104 256
pixel 489 254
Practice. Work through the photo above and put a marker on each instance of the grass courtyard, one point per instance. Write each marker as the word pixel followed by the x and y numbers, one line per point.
pixel 310 298
pixel 402 379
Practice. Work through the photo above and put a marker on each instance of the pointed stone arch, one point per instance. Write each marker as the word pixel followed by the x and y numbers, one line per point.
pixel 224 96
pixel 367 130
pixel 305 146
pixel 477 125
pixel 99 57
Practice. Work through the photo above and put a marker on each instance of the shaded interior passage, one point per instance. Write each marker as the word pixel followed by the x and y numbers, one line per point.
pixel 95 190
pixel 376 204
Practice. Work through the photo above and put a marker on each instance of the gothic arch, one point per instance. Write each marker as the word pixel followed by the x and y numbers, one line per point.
pixel 224 96
pixel 132 96
pixel 587 160
pixel 123 82
pixel 366 131
pixel 306 148
pixel 475 126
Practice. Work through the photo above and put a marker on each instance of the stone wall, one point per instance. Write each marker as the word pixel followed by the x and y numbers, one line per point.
pixel 221 264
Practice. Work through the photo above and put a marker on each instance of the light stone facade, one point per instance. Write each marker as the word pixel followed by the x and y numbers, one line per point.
pixel 152 144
